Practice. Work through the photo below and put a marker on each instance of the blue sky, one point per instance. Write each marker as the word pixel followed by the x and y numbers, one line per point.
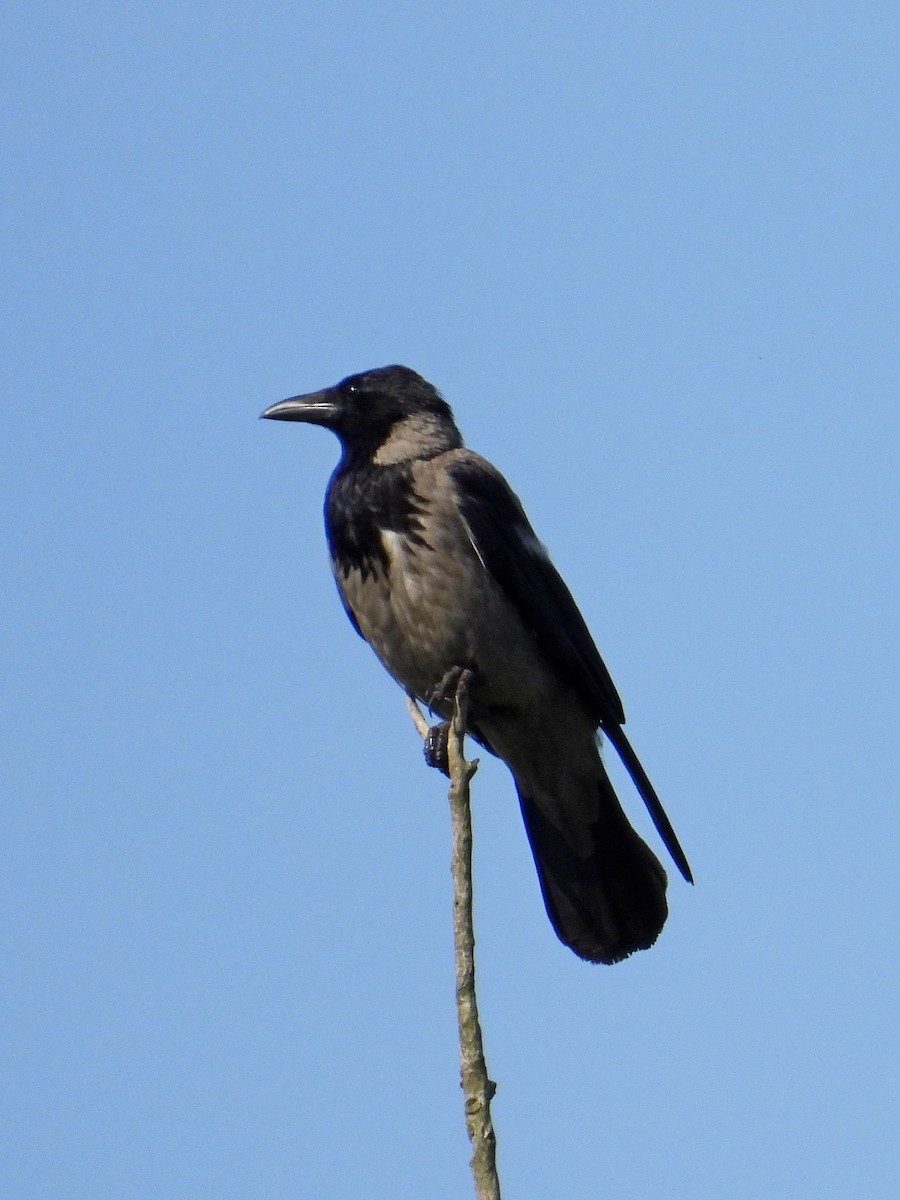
pixel 650 254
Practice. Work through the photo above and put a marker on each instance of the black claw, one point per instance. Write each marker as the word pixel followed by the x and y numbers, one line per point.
pixel 445 690
pixel 437 742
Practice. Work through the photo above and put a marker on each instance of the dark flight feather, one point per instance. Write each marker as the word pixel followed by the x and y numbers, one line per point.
pixel 510 551
pixel 513 556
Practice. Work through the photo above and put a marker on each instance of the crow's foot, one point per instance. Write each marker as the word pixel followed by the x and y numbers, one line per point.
pixel 437 747
pixel 446 690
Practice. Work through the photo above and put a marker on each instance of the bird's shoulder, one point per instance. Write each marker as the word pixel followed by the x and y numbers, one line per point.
pixel 466 479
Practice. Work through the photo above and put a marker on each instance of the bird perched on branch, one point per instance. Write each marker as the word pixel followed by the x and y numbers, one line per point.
pixel 440 571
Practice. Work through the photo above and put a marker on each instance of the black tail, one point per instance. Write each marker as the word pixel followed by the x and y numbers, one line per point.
pixel 608 901
pixel 616 735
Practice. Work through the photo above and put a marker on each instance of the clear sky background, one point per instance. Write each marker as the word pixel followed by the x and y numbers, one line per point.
pixel 650 253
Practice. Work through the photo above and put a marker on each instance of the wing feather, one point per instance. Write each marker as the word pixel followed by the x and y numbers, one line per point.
pixel 505 542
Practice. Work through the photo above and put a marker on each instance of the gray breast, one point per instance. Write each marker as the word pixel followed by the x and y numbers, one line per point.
pixel 433 607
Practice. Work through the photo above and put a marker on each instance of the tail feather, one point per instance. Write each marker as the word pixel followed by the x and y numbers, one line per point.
pixel 607 903
pixel 616 735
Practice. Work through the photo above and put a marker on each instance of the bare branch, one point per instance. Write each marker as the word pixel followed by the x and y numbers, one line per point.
pixel 418 718
pixel 478 1088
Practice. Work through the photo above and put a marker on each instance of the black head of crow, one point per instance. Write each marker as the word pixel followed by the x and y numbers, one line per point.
pixel 367 410
pixel 438 569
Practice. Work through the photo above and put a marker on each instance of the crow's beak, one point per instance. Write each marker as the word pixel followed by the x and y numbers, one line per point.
pixel 318 408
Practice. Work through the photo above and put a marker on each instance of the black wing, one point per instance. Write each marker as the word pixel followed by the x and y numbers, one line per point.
pixel 507 546
pixel 505 542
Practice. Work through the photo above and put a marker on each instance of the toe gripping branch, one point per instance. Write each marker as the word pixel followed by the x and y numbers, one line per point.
pixel 453 690
pixel 454 685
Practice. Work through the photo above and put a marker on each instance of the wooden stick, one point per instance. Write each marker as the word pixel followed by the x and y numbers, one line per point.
pixel 478 1088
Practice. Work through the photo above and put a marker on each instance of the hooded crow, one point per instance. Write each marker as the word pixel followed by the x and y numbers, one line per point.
pixel 439 570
